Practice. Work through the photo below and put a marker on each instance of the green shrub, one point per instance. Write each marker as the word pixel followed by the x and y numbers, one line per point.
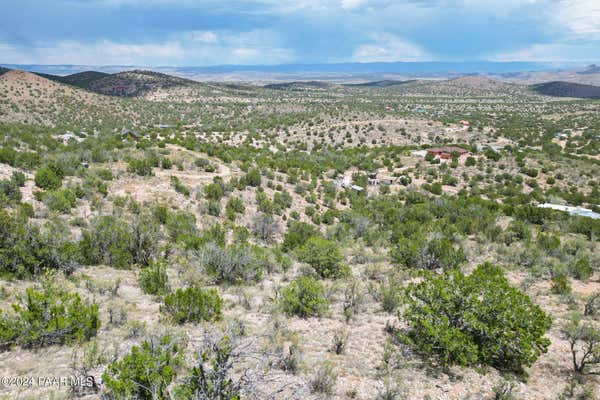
pixel 297 234
pixel 475 319
pixel 141 167
pixel 304 297
pixel 166 163
pixel 592 305
pixel 581 269
pixel 105 174
pixel 324 380
pixel 390 294
pixel 160 212
pixel 324 256
pixel 47 317
pixel 436 251
pixel 265 227
pixel 11 190
pixel 560 284
pixel 47 178
pixel 253 177
pixel 212 378
pixel 490 154
pixel 532 214
pixel 61 200
pixel 214 208
pixel 181 225
pixel 232 264
pixel 193 305
pixel 213 191
pixel 25 251
pixel 548 242
pixel 435 188
pixel 235 206
pixel 179 187
pixel 144 373
pixel 18 178
pixel 584 343
pixel 112 241
pixel 107 242
pixel 517 230
pixel 153 279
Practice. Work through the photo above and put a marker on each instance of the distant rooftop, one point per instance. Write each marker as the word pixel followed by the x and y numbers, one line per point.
pixel 577 211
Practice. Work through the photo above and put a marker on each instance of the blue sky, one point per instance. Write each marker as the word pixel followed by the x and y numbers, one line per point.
pixel 216 32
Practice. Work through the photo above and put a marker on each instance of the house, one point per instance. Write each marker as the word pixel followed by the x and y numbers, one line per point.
pixel 464 122
pixel 446 152
pixel 345 182
pixel 372 178
pixel 562 135
pixel 67 137
pixel 357 188
pixel 128 133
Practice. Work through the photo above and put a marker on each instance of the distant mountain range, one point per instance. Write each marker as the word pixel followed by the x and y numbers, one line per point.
pixel 422 69
pixel 136 83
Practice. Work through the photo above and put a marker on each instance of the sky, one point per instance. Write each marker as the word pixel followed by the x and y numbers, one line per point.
pixel 265 32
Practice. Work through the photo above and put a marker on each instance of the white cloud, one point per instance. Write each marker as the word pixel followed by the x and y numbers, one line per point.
pixel 580 17
pixel 254 47
pixel 204 36
pixel 556 52
pixel 351 4
pixel 108 52
pixel 100 52
pixel 387 47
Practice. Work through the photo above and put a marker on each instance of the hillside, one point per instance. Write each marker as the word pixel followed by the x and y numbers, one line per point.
pixel 474 86
pixel 31 98
pixel 568 89
pixel 299 85
pixel 592 69
pixel 252 207
pixel 586 76
pixel 135 83
pixel 83 79
pixel 80 79
pixel 3 70
pixel 384 83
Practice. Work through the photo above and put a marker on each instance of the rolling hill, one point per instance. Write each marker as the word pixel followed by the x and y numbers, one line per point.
pixel 31 98
pixel 568 89
pixel 135 83
pixel 472 86
pixel 300 85
pixel 384 83
pixel 83 79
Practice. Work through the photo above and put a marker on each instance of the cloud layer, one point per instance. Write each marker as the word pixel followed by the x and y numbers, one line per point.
pixel 210 32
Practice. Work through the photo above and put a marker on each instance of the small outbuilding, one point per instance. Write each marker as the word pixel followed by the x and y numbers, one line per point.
pixel 130 134
pixel 372 178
